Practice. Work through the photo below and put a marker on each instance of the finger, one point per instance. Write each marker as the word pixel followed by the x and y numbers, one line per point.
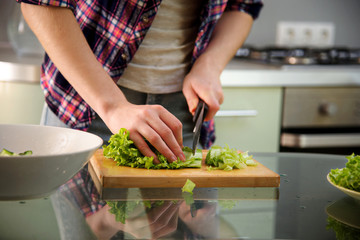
pixel 214 104
pixel 143 146
pixel 176 127
pixel 169 129
pixel 174 124
pixel 163 139
pixel 152 133
pixel 213 109
pixel 192 98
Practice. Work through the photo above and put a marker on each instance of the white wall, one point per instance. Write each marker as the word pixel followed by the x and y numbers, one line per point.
pixel 343 13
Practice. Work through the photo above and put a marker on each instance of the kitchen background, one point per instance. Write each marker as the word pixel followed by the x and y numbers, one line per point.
pixel 261 93
pixel 290 23
pixel 343 14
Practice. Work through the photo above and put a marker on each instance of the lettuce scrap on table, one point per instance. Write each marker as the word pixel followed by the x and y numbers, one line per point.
pixel 124 152
pixel 188 186
pixel 228 159
pixel 349 176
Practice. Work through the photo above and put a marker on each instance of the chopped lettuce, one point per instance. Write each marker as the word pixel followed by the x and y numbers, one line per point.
pixel 5 152
pixel 228 159
pixel 125 153
pixel 187 192
pixel 188 187
pixel 348 177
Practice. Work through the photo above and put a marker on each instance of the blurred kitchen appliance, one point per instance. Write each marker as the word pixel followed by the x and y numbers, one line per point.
pixel 320 119
pixel 301 55
pixel 21 37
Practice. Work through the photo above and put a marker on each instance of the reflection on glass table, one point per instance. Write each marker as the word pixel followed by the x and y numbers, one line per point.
pixel 298 209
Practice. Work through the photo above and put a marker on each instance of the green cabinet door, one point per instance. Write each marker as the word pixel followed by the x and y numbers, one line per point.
pixel 250 119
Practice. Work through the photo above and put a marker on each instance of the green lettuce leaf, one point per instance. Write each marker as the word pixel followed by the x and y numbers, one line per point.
pixel 348 177
pixel 228 159
pixel 124 152
pixel 188 187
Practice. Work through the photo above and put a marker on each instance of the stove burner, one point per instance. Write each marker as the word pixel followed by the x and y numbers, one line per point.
pixel 301 56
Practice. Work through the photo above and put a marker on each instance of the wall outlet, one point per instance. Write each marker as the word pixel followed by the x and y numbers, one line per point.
pixel 305 34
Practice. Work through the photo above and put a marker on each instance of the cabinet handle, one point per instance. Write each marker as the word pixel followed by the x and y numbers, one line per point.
pixel 236 113
pixel 320 140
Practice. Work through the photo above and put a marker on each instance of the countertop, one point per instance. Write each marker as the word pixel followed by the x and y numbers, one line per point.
pixel 305 206
pixel 238 73
pixel 242 73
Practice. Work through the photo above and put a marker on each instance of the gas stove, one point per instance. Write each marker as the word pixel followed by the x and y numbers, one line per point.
pixel 301 56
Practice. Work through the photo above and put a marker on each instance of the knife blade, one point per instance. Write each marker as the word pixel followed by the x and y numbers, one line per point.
pixel 198 118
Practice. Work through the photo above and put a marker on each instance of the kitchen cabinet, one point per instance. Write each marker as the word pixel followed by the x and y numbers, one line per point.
pixel 21 96
pixel 250 118
pixel 20 103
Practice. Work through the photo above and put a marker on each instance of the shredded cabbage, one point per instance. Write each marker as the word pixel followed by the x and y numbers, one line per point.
pixel 348 177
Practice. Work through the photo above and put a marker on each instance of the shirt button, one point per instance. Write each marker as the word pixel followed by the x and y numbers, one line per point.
pixel 124 56
pixel 145 19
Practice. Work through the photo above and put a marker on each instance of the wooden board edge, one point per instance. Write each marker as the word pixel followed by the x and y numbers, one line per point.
pixel 178 182
pixel 97 182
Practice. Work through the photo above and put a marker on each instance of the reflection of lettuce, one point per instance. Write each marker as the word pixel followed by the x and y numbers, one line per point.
pixel 348 177
pixel 342 231
pixel 227 204
pixel 125 153
pixel 227 159
pixel 122 209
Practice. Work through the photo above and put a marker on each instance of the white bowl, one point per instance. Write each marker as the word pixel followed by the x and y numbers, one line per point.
pixel 351 193
pixel 58 154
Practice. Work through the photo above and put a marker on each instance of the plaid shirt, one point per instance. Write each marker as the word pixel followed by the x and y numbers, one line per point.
pixel 114 30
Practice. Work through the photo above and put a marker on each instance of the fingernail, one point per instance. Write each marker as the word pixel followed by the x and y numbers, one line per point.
pixel 173 159
pixel 182 157
pixel 156 160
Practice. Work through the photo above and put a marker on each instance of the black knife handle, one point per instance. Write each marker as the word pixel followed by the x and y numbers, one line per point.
pixel 200 105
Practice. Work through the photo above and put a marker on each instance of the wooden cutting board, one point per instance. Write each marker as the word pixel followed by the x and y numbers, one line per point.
pixel 107 175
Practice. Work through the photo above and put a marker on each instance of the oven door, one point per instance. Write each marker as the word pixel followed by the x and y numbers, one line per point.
pixel 321 120
pixel 340 143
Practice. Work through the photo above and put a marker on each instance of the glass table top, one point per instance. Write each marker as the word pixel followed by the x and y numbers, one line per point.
pixel 305 206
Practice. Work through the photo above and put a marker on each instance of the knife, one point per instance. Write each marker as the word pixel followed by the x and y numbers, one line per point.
pixel 198 118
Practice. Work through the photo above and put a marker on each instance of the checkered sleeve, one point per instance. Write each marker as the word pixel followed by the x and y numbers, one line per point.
pixel 55 3
pixel 252 7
